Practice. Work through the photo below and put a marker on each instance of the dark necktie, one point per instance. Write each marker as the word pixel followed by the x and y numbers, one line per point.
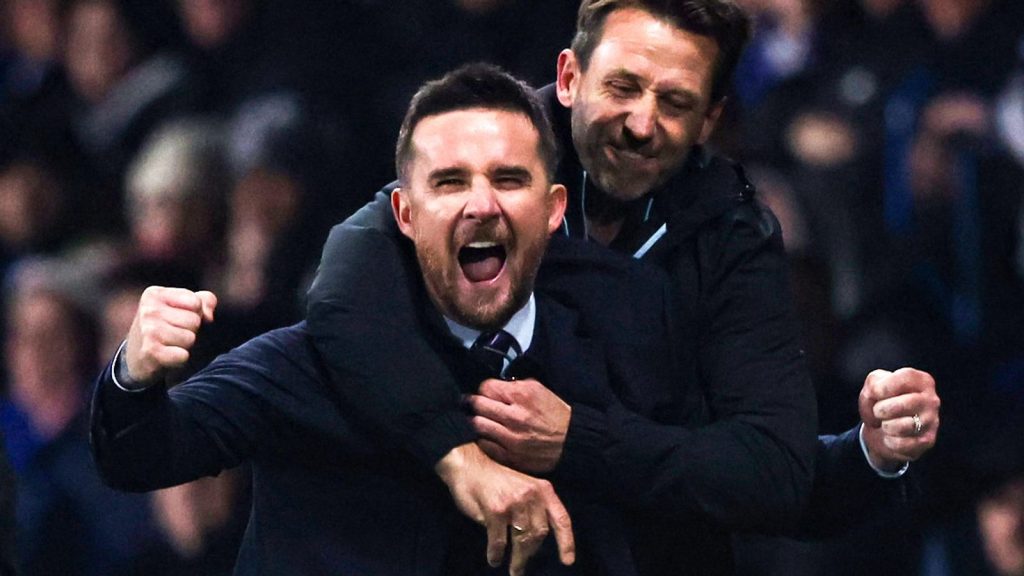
pixel 496 350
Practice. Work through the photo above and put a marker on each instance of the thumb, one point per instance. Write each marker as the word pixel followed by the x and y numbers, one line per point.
pixel 209 302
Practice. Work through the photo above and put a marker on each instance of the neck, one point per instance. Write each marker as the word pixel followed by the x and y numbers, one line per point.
pixel 604 215
pixel 604 232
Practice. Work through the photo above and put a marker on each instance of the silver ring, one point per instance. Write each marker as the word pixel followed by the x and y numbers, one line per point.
pixel 918 425
pixel 518 528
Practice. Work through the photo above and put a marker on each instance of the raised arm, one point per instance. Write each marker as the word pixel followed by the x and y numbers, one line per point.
pixel 146 437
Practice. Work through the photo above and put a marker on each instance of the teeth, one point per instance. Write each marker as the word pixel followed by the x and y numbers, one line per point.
pixel 482 244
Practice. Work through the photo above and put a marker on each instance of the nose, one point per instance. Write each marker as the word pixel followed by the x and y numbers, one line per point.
pixel 482 202
pixel 642 118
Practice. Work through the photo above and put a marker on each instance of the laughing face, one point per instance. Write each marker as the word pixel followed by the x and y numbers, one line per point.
pixel 479 207
pixel 642 102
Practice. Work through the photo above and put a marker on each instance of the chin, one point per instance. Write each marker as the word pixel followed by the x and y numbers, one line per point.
pixel 484 310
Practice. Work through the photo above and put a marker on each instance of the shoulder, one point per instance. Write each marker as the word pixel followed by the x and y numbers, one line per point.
pixel 595 280
pixel 726 200
pixel 376 214
pixel 281 351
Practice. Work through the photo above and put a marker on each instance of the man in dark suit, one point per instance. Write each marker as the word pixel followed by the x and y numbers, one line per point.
pixel 478 204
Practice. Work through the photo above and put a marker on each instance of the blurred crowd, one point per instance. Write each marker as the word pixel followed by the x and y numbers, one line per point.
pixel 210 144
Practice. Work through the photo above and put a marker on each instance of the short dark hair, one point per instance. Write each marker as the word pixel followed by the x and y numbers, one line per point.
pixel 476 85
pixel 721 20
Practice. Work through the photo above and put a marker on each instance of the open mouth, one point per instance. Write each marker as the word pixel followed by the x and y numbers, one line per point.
pixel 482 261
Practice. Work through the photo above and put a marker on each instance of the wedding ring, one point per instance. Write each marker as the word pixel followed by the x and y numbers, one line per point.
pixel 918 425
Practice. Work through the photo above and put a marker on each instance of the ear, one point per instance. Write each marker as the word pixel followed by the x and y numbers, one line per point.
pixel 568 78
pixel 557 199
pixel 402 210
pixel 710 121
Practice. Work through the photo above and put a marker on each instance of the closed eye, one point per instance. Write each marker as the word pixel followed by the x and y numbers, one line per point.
pixel 511 178
pixel 448 180
pixel 621 88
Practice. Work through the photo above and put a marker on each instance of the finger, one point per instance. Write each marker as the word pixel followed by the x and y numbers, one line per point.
pixel 209 303
pixel 497 534
pixel 490 430
pixel 172 336
pixel 179 318
pixel 491 409
pixel 525 542
pixel 497 390
pixel 874 378
pixel 180 298
pixel 902 381
pixel 903 427
pixel 560 522
pixel 866 399
pixel 903 405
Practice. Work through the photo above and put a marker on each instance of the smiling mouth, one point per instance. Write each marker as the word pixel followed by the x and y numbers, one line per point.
pixel 629 154
pixel 482 261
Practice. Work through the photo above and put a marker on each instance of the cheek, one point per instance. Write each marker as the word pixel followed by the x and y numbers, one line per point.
pixel 682 134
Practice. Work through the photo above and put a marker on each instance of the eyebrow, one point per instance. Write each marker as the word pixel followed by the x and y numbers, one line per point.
pixel 513 171
pixel 442 173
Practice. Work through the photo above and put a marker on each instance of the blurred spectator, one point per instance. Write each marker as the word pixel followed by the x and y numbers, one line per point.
pixel 1009 113
pixel 33 28
pixel 124 85
pixel 1001 522
pixel 201 523
pixel 32 209
pixel 276 223
pixel 34 93
pixel 229 53
pixel 783 46
pixel 49 354
pixel 175 195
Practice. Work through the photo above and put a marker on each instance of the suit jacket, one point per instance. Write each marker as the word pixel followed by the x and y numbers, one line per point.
pixel 328 499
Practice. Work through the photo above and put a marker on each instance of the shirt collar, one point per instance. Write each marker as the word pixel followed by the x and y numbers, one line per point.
pixel 519 326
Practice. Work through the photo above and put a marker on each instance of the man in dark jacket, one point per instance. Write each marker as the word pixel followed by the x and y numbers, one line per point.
pixel 730 446
pixel 477 157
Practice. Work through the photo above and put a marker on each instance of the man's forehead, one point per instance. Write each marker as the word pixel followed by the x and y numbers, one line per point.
pixel 468 121
pixel 637 43
pixel 475 134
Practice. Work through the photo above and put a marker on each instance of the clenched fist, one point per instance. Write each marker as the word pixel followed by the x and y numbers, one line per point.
pixel 164 330
pixel 900 411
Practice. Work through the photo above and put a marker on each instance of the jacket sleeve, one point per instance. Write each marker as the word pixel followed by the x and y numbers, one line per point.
pixel 847 491
pixel 363 314
pixel 750 466
pixel 213 421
